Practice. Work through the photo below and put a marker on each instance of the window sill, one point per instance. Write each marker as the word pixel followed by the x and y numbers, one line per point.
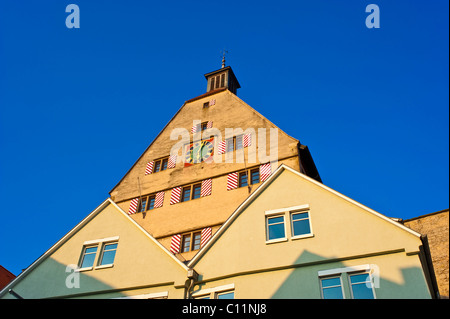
pixel 278 240
pixel 302 236
pixel 84 269
pixel 104 266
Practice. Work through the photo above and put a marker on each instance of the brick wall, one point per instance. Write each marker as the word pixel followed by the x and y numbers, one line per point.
pixel 436 227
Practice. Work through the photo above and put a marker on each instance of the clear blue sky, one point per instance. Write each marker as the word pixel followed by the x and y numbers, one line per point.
pixel 79 106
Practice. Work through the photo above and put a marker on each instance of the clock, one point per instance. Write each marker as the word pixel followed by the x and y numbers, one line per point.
pixel 198 152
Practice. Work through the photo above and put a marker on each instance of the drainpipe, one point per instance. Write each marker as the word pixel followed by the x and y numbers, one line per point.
pixel 15 294
pixel 193 277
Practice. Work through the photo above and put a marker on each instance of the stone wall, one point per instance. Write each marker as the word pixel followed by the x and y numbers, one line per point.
pixel 436 227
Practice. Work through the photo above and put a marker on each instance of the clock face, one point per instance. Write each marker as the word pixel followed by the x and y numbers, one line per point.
pixel 198 152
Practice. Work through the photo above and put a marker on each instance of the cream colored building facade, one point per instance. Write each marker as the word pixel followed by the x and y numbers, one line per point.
pixel 240 215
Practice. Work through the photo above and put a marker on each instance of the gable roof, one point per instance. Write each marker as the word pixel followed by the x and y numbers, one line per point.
pixel 220 90
pixel 84 222
pixel 265 185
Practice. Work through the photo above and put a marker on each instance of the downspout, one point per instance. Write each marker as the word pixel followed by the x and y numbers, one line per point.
pixel 15 294
pixel 192 277
pixel 427 264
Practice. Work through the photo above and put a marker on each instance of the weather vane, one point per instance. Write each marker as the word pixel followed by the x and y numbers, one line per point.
pixel 223 57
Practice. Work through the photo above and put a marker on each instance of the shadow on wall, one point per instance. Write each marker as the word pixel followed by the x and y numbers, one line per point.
pixel 52 279
pixel 304 282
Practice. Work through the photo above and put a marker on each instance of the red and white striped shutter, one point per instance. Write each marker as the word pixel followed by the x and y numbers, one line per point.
pixel 194 129
pixel 232 181
pixel 221 147
pixel 133 206
pixel 175 195
pixel 159 199
pixel 209 124
pixel 206 187
pixel 205 236
pixel 264 171
pixel 172 161
pixel 149 168
pixel 247 140
pixel 212 102
pixel 175 244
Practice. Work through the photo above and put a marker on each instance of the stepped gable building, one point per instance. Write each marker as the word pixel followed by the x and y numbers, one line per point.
pixel 224 204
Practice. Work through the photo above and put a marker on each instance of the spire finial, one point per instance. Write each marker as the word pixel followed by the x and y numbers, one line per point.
pixel 223 57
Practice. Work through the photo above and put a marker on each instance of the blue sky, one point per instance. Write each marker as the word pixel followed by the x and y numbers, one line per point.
pixel 79 106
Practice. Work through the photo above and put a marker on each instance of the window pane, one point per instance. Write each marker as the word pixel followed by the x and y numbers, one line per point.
pixel 142 204
pixel 230 145
pixel 361 286
pixel 299 216
pixel 275 227
pixel 332 293
pixel 275 220
pixel 164 164
pixel 243 179
pixel 197 191
pixel 157 166
pixel 186 243
pixel 239 143
pixel 109 252
pixel 359 278
pixel 331 282
pixel 91 250
pixel 89 257
pixel 361 291
pixel 226 295
pixel 255 176
pixel 197 241
pixel 300 227
pixel 331 288
pixel 151 202
pixel 186 194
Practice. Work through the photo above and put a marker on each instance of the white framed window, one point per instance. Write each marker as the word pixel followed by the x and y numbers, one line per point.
pixel 288 224
pixel 108 254
pixel 361 286
pixel 88 257
pixel 275 228
pixel 331 288
pixel 220 292
pixel 359 280
pixel 106 247
pixel 300 224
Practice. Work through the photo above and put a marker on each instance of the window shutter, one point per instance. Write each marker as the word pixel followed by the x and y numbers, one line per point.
pixel 209 124
pixel 232 181
pixel 221 147
pixel 172 161
pixel 206 187
pixel 264 171
pixel 205 236
pixel 194 129
pixel 159 199
pixel 247 140
pixel 212 102
pixel 133 206
pixel 149 167
pixel 175 195
pixel 175 244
